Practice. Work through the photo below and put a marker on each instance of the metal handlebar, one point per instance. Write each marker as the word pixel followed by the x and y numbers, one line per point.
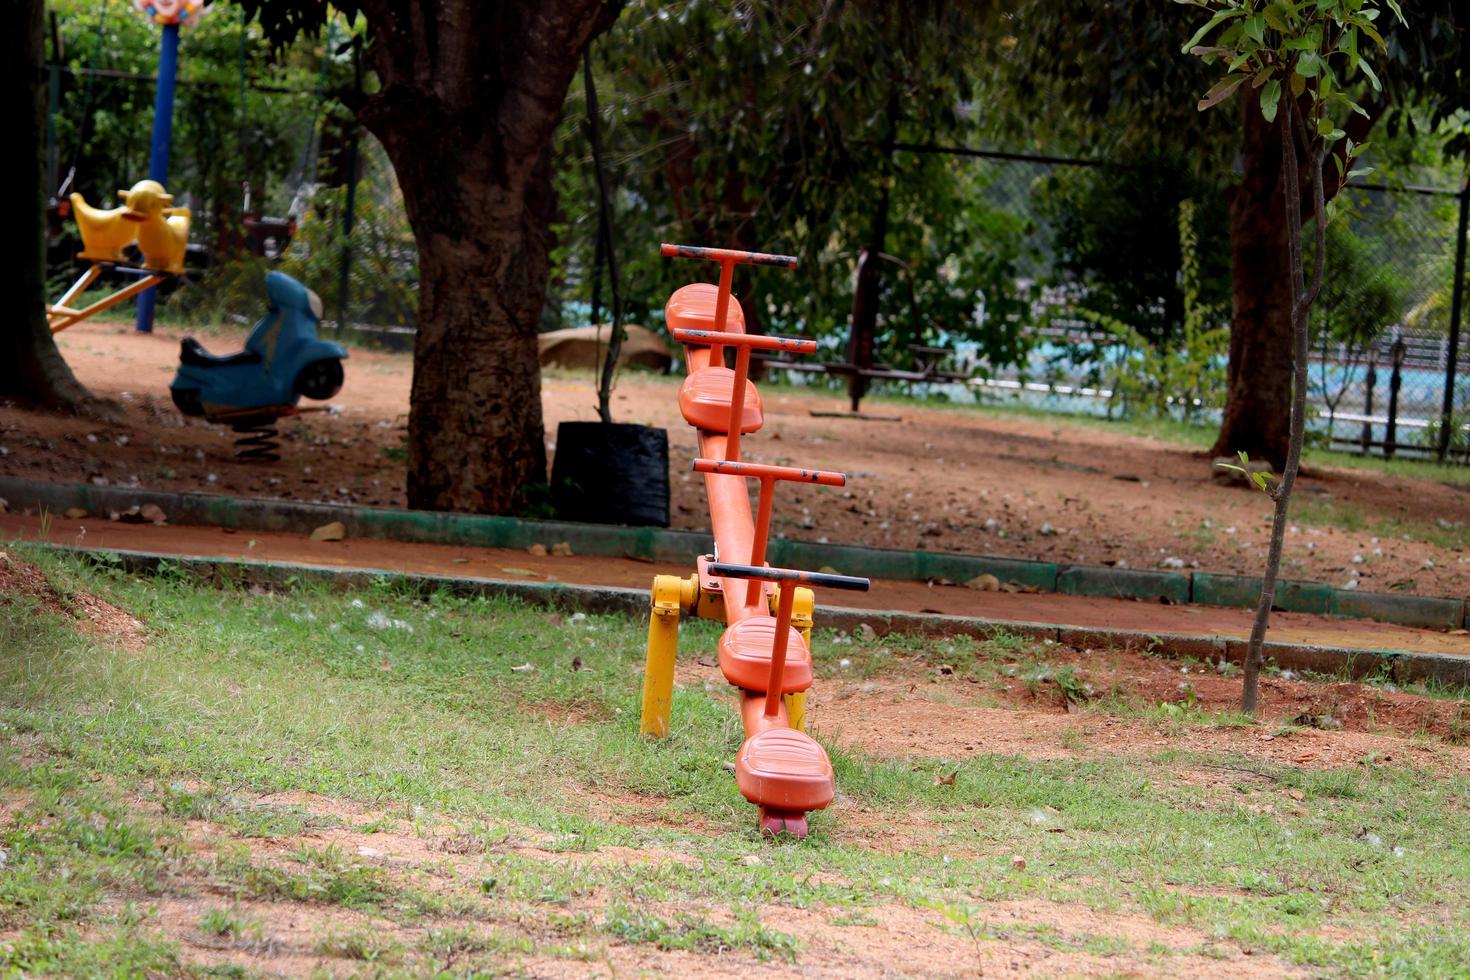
pixel 760 573
pixel 763 471
pixel 719 338
pixel 726 255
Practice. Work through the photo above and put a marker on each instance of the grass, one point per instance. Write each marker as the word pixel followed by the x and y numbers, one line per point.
pixel 408 706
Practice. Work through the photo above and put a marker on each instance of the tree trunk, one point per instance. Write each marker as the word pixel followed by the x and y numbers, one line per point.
pixel 1258 377
pixel 470 95
pixel 1258 395
pixel 32 370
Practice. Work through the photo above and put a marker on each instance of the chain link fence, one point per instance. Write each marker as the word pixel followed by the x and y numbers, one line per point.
pixel 1129 308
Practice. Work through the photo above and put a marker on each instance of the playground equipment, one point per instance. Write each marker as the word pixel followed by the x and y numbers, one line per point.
pixel 146 219
pixel 169 15
pixel 861 367
pixel 779 768
pixel 252 389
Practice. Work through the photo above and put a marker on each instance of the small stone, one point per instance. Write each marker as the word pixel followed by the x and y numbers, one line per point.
pixel 537 550
pixel 525 668
pixel 74 513
pixel 335 531
pixel 562 549
pixel 154 514
pixel 1018 862
pixel 984 583
pixel 865 631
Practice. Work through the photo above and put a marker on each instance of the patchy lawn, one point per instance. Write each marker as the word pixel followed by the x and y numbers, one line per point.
pixel 216 782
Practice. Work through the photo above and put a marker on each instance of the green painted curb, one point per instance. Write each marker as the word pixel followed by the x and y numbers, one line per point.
pixel 662 544
pixel 1424 611
pixel 1432 667
pixel 1405 666
pixel 917 566
pixel 1123 583
pixel 1215 589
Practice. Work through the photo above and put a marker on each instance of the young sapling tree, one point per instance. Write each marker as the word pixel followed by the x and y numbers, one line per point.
pixel 1300 62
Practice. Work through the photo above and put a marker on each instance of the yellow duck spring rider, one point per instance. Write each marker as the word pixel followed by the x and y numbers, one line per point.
pixel 148 219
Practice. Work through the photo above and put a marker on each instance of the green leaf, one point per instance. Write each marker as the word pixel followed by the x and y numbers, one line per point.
pixel 1309 65
pixel 1372 78
pixel 1221 91
pixel 1255 27
pixel 1214 22
pixel 1270 99
pixel 1298 84
pixel 1276 17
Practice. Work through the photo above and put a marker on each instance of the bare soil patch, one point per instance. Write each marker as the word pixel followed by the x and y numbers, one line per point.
pixel 915 709
pixel 87 612
pixel 946 479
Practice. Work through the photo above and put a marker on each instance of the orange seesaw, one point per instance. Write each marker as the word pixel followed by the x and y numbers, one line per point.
pixel 765 651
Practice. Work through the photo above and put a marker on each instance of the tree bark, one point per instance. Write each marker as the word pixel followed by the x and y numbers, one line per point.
pixel 1256 418
pixel 470 95
pixel 1258 377
pixel 32 370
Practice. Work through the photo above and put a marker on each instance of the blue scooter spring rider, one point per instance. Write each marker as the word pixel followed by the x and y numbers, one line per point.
pixel 251 389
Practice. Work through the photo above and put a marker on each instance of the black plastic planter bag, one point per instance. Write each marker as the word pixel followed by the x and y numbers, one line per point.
pixel 611 473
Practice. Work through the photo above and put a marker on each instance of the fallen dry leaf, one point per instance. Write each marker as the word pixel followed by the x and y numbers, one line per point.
pixel 335 531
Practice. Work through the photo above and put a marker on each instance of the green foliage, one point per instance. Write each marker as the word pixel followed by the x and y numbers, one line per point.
pixel 1312 50
pixel 781 147
pixel 243 113
pixel 1180 375
pixel 1361 293
pixel 1113 239
pixel 383 281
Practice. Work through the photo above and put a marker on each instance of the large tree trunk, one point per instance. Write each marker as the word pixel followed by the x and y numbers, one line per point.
pixel 32 370
pixel 470 98
pixel 1258 386
pixel 1258 395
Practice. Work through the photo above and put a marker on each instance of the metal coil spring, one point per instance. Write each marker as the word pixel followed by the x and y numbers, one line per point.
pixel 258 442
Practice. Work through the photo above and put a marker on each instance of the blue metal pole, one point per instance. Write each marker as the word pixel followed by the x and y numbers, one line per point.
pixel 163 132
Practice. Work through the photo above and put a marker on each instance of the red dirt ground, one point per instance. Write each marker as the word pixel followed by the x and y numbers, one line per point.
pixel 949 479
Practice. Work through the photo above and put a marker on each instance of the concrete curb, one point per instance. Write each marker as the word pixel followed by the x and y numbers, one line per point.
pixel 1402 665
pixel 661 544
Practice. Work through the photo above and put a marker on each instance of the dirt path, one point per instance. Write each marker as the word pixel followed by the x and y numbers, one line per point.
pixel 434 559
pixel 909 597
pixel 960 480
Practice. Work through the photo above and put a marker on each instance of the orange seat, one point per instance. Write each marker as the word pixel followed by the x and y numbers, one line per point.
pixel 704 398
pixel 783 769
pixel 692 307
pixel 745 656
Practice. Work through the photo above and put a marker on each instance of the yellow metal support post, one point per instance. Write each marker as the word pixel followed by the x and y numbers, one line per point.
pixel 803 605
pixel 663 644
pixel 61 316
